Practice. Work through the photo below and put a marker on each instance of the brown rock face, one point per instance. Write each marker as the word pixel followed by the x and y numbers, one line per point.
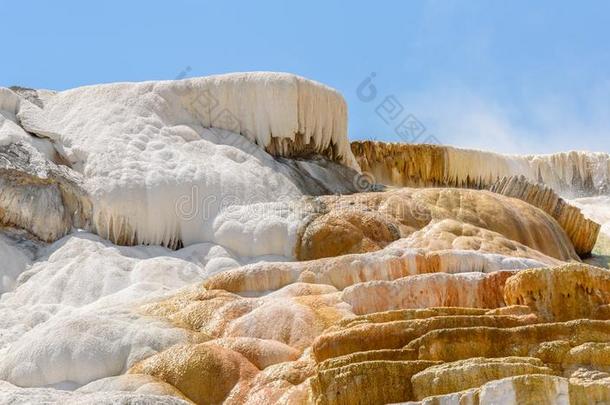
pixel 476 290
pixel 562 293
pixel 347 232
pixel 403 165
pixel 531 179
pixel 472 373
pixel 582 231
pixel 537 345
pixel 449 234
pixel 461 343
pixel 347 384
pixel 43 198
pixel 413 165
pixel 399 213
pixel 194 370
pixel 397 334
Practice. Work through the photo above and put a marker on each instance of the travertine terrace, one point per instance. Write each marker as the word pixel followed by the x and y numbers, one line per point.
pixel 219 240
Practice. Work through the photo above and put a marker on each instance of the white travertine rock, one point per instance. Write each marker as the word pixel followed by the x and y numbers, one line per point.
pixel 17 252
pixel 285 113
pixel 136 383
pixel 78 346
pixel 10 128
pixel 165 162
pixel 11 394
pixel 70 319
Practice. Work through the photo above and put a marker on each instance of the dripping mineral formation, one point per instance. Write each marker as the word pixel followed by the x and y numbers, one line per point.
pixel 219 240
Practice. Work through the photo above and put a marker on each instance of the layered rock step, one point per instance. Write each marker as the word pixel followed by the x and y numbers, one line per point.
pixel 322 349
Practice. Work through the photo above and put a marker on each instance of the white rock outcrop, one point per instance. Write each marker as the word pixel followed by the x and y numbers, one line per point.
pixel 163 161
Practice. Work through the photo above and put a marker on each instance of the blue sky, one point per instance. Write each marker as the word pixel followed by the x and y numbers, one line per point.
pixel 515 77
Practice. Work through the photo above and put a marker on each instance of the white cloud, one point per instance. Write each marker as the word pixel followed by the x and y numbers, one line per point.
pixel 543 124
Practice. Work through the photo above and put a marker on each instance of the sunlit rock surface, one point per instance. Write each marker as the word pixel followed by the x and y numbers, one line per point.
pixel 562 293
pixel 177 162
pixel 212 240
pixel 472 373
pixel 570 173
pixel 529 389
pixel 583 232
pixel 365 221
pixel 46 199
pixel 395 261
pixel 389 356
